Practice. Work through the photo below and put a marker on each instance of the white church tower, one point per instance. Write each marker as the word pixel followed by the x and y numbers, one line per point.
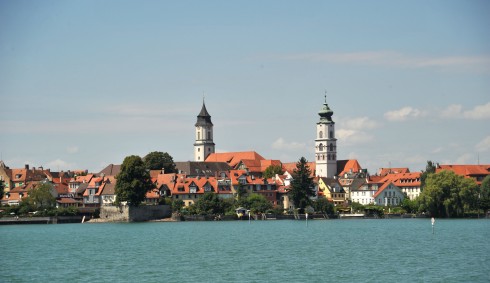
pixel 325 144
pixel 204 144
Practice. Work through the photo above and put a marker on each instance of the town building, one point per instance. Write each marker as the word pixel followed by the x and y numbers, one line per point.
pixel 475 172
pixel 389 195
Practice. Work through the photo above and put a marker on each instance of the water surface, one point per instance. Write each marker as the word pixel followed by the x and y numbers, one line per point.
pixel 381 250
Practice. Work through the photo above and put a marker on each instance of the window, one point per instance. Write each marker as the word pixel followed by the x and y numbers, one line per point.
pixel 330 134
pixel 199 150
pixel 209 135
pixel 198 135
pixel 320 134
pixel 331 147
pixel 320 147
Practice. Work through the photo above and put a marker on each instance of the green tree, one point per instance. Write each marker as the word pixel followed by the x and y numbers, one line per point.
pixel 484 194
pixel 302 187
pixel 209 203
pixel 133 181
pixel 177 205
pixel 448 195
pixel 409 205
pixel 430 168
pixel 322 205
pixel 2 188
pixel 272 170
pixel 158 160
pixel 258 203
pixel 41 197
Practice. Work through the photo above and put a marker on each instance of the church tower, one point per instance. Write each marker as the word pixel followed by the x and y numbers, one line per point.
pixel 325 144
pixel 204 144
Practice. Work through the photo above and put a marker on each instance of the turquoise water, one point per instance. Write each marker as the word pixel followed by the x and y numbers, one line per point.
pixel 402 250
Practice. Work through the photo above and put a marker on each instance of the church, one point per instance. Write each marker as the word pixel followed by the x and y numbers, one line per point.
pixel 325 165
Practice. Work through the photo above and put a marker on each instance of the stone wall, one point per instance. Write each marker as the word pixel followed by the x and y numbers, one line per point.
pixel 134 214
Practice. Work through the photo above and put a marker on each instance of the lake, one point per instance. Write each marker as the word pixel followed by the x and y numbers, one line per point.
pixel 357 250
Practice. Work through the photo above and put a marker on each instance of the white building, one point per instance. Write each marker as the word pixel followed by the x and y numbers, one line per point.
pixel 363 196
pixel 389 195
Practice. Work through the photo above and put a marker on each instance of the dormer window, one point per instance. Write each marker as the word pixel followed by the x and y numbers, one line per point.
pixel 208 188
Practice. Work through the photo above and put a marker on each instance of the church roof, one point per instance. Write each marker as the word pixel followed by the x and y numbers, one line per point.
pixel 325 114
pixel 208 168
pixel 203 119
pixel 233 158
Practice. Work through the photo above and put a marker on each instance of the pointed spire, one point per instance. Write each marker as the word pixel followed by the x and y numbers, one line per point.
pixel 203 118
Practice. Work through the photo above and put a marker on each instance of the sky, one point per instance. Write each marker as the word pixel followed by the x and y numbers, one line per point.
pixel 86 83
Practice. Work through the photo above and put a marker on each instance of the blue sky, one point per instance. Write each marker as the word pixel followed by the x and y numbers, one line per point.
pixel 86 83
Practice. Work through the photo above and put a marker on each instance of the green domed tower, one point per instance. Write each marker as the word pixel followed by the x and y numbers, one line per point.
pixel 325 143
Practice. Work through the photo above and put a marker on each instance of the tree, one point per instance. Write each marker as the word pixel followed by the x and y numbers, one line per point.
pixel 430 168
pixel 302 187
pixel 41 197
pixel 448 195
pixel 322 205
pixel 133 182
pixel 158 160
pixel 177 205
pixel 209 203
pixel 272 170
pixel 258 203
pixel 2 188
pixel 410 206
pixel 484 194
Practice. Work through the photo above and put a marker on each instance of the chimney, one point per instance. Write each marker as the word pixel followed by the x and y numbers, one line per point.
pixel 26 166
pixel 163 170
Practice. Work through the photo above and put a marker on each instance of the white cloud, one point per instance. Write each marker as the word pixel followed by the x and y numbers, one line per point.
pixel 59 164
pixel 466 158
pixel 452 111
pixel 403 114
pixel 360 123
pixel 437 150
pixel 484 145
pixel 72 149
pixel 281 144
pixel 479 112
pixel 350 137
pixel 396 59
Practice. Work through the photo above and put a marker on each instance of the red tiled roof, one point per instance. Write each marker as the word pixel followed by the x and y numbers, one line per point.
pixel 403 179
pixel 233 158
pixel 466 170
pixel 346 166
pixel 386 171
pixel 67 201
pixel 384 186
pixel 291 166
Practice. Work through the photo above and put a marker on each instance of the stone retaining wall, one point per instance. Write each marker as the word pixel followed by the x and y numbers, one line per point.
pixel 134 214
